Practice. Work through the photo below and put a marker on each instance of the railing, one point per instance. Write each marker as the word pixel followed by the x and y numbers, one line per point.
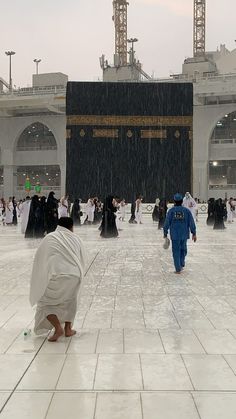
pixel 36 91
pixel 222 187
pixel 43 188
pixel 37 148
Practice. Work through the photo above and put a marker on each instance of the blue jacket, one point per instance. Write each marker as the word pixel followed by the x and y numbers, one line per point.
pixel 179 221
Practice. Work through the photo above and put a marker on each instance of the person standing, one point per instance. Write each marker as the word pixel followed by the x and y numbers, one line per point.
pixel 63 207
pixel 108 226
pixel 230 210
pixel 90 208
pixel 76 213
pixel 190 203
pixel 2 211
pixel 51 213
pixel 219 214
pixel 180 222
pixel 57 273
pixel 14 219
pixel 210 212
pixel 122 209
pixel 24 213
pixel 162 213
pixel 138 209
pixel 9 211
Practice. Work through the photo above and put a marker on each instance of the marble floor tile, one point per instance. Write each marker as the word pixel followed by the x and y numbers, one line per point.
pixel 98 320
pixel 160 320
pixel 27 406
pixel 118 406
pixel 163 405
pixel 72 406
pixel 210 372
pixel 110 341
pixel 142 341
pixel 222 320
pixel 60 348
pixel 3 398
pixel 17 365
pixel 164 372
pixel 78 372
pixel 84 342
pixel 127 319
pixel 216 405
pixel 231 360
pixel 118 372
pixel 193 320
pixel 43 373
pixel 181 341
pixel 217 341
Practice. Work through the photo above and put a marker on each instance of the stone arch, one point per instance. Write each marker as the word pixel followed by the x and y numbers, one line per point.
pixel 228 110
pixel 36 136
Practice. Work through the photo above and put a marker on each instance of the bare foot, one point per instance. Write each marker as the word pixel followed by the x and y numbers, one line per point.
pixel 69 332
pixel 57 334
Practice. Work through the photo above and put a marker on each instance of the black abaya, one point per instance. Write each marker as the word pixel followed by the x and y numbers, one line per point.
pixel 108 226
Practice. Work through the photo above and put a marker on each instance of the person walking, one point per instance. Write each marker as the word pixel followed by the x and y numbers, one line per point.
pixel 180 222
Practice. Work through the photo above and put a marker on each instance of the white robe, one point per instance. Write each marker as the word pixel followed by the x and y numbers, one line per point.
pixel 191 204
pixel 229 212
pixel 9 213
pixel 24 215
pixel 57 273
pixel 90 208
pixel 63 209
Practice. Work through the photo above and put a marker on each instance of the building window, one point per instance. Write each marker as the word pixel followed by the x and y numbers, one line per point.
pixel 48 177
pixel 222 173
pixel 36 137
pixel 225 129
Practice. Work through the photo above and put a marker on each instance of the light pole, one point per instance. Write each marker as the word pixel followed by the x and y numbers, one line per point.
pixel 37 61
pixel 9 54
pixel 132 41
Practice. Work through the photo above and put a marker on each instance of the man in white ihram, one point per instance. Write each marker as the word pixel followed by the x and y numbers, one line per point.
pixel 57 273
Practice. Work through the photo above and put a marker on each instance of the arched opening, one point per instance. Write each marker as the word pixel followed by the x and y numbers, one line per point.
pixel 47 178
pixel 222 164
pixel 36 136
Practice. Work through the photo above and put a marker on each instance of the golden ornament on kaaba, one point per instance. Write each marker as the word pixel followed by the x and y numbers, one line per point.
pixel 177 134
pixel 129 133
pixel 82 133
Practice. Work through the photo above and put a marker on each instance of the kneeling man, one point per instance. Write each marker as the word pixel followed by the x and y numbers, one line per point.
pixel 57 273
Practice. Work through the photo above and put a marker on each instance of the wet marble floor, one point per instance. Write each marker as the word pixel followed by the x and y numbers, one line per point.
pixel 150 344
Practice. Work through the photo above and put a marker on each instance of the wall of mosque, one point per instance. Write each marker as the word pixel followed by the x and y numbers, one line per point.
pixel 13 159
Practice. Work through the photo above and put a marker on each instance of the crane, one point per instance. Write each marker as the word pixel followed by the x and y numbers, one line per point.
pixel 120 21
pixel 199 31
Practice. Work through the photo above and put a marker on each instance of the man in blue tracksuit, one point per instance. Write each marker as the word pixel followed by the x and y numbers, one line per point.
pixel 180 222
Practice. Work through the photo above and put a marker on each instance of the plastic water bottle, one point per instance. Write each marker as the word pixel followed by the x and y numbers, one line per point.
pixel 27 333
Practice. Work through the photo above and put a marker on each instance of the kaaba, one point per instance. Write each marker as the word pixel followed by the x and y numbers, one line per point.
pixel 129 138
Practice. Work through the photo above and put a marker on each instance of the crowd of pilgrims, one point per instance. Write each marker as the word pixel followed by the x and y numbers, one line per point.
pixel 39 216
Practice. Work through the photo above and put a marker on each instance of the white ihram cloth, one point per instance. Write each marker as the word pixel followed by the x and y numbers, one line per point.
pixel 24 214
pixel 58 270
pixel 191 204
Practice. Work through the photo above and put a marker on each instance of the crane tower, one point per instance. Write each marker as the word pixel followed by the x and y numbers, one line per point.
pixel 199 36
pixel 120 21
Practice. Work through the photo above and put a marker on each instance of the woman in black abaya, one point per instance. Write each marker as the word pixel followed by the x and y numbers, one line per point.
pixel 219 213
pixel 32 230
pixel 108 226
pixel 211 210
pixel 162 213
pixel 51 213
pixel 76 213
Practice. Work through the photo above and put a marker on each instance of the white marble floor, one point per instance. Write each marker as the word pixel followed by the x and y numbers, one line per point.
pixel 150 344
